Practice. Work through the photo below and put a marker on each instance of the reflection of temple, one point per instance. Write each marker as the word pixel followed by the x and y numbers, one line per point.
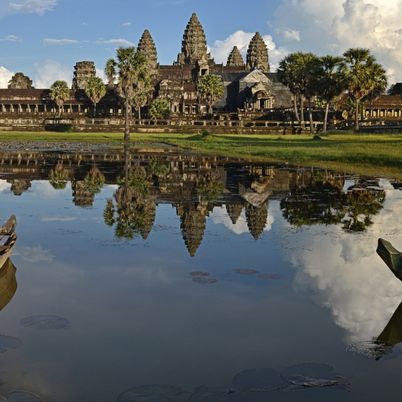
pixel 8 283
pixel 19 186
pixel 195 185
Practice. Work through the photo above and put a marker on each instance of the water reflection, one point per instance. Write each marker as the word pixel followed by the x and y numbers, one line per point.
pixel 8 283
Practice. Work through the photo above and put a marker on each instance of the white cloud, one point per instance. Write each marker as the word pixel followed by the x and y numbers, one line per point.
pixel 49 71
pixel 33 6
pixel 222 48
pixel 10 38
pixel 115 42
pixel 336 25
pixel 5 77
pixel 289 34
pixel 126 24
pixel 60 42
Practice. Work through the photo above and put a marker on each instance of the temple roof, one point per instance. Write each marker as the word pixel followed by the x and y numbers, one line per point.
pixel 235 58
pixel 257 54
pixel 146 46
pixel 194 45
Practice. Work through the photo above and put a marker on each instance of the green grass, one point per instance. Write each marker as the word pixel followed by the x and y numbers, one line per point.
pixel 371 154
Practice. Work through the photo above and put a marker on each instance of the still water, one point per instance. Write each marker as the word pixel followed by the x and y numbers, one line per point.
pixel 166 277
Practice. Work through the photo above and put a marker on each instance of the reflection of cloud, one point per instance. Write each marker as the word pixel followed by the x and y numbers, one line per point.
pixel 348 276
pixel 34 254
pixel 58 219
pixel 219 216
pixel 4 186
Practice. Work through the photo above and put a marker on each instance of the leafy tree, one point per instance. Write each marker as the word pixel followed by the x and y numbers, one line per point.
pixel 95 90
pixel 160 109
pixel 59 93
pixel 365 77
pixel 132 73
pixel 210 89
pixel 331 82
pixel 299 72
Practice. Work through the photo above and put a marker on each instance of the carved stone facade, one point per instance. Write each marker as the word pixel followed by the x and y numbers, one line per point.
pixel 146 46
pixel 257 54
pixel 20 81
pixel 83 71
pixel 235 58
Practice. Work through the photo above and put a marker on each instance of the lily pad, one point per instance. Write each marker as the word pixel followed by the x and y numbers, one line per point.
pixel 45 322
pixel 9 343
pixel 270 277
pixel 196 274
pixel 23 396
pixel 206 394
pixel 153 393
pixel 258 380
pixel 313 375
pixel 246 271
pixel 204 280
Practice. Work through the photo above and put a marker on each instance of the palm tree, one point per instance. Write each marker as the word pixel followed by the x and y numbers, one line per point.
pixel 331 82
pixel 365 77
pixel 132 72
pixel 210 89
pixel 60 92
pixel 110 72
pixel 95 90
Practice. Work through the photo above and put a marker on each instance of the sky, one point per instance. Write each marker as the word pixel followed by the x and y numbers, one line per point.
pixel 45 38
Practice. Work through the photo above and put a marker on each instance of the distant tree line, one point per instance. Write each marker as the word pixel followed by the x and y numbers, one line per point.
pixel 356 75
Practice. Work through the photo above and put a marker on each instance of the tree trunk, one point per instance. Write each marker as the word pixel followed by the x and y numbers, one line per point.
pixel 357 127
pixel 127 122
pixel 326 118
pixel 296 111
pixel 310 112
pixel 302 111
pixel 94 109
pixel 139 115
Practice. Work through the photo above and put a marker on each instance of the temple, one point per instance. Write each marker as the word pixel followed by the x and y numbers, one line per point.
pixel 249 84
pixel 253 98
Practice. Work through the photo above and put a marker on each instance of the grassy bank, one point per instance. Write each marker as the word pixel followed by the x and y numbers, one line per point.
pixel 355 153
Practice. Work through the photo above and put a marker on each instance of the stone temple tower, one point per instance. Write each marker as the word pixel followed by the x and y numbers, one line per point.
pixel 257 54
pixel 235 58
pixel 83 71
pixel 194 45
pixel 147 47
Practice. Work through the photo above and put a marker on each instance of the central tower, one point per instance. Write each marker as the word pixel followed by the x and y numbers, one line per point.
pixel 194 46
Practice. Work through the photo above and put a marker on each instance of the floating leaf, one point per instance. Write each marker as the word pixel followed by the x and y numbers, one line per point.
pixel 258 380
pixel 153 393
pixel 45 322
pixel 23 396
pixel 204 280
pixel 270 277
pixel 9 343
pixel 206 394
pixel 246 271
pixel 199 273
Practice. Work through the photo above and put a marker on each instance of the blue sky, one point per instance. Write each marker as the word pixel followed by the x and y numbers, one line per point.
pixel 44 38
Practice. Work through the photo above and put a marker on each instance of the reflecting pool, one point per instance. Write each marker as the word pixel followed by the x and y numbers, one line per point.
pixel 165 277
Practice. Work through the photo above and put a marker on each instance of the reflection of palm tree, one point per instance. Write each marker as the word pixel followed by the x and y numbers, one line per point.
pixel 133 209
pixel 59 176
pixel 324 202
pixel 84 190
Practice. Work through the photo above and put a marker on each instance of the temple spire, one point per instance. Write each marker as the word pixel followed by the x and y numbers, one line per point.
pixel 146 46
pixel 257 54
pixel 235 58
pixel 194 46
